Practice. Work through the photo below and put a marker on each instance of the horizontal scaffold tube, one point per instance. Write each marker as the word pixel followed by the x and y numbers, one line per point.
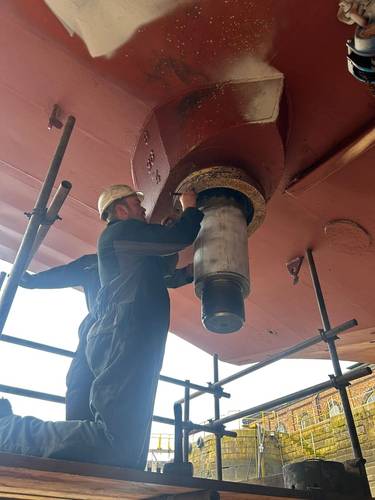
pixel 18 391
pixel 281 355
pixel 184 383
pixel 36 345
pixel 213 428
pixel 336 382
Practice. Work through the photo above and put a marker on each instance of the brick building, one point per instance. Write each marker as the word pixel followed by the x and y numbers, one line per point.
pixel 314 427
pixel 309 411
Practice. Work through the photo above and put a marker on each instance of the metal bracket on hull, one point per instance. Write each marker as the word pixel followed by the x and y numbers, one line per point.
pixel 53 120
pixel 293 267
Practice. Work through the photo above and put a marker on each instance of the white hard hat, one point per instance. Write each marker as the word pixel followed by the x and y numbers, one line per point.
pixel 113 193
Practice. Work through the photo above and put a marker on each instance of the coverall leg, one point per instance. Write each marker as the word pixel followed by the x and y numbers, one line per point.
pixel 122 394
pixel 80 378
pixel 74 440
pixel 125 352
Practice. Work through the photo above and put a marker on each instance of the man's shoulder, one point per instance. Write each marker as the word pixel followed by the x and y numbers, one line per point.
pixel 121 227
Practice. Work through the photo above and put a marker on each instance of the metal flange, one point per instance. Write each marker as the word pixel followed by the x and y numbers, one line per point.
pixel 227 177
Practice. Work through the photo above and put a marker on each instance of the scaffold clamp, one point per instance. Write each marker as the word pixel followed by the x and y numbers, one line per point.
pixel 325 338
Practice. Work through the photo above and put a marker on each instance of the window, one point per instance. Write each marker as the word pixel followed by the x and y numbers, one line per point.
pixel 304 421
pixel 369 397
pixel 334 408
pixel 280 427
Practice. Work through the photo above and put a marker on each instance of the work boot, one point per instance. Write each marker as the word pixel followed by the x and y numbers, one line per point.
pixel 5 408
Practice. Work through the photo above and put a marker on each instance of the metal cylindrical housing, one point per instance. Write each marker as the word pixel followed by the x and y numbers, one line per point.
pixel 329 476
pixel 222 304
pixel 221 261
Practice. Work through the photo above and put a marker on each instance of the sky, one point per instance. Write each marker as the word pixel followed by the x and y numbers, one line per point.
pixel 52 317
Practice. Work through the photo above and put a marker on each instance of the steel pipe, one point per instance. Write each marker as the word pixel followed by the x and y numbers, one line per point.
pixel 51 216
pixel 3 275
pixel 18 391
pixel 219 461
pixel 362 371
pixel 36 345
pixel 178 434
pixel 318 291
pixel 280 355
pixel 194 428
pixel 36 218
pixel 186 420
pixel 183 383
pixel 214 428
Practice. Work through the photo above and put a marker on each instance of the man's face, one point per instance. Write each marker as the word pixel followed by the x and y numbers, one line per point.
pixel 131 208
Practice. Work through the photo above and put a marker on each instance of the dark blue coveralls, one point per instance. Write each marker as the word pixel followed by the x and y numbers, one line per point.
pixel 125 348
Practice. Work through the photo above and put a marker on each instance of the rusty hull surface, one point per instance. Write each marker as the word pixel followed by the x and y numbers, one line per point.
pixel 188 78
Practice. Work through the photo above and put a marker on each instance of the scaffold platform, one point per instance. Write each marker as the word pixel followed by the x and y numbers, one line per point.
pixel 31 478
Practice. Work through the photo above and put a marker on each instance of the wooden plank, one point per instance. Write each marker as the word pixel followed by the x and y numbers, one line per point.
pixel 31 478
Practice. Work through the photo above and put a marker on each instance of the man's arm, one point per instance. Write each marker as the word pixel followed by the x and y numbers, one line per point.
pixel 140 238
pixel 180 277
pixel 173 277
pixel 69 275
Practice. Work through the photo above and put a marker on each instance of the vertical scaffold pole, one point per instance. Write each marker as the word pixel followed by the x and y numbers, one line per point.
pixel 178 434
pixel 219 464
pixel 186 420
pixel 3 275
pixel 357 451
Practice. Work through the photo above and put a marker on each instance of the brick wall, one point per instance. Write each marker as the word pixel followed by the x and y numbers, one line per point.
pixel 329 439
pixel 316 408
pixel 321 437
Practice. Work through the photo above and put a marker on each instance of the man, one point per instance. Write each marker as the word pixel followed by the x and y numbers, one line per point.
pixel 125 346
pixel 127 342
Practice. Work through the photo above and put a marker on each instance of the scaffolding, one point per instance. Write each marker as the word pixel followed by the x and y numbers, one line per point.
pixel 183 427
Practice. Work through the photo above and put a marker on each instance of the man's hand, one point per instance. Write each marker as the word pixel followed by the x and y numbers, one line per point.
pixel 188 200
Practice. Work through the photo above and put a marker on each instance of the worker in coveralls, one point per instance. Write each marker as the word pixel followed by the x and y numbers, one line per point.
pixel 127 342
pixel 125 345
pixel 83 272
